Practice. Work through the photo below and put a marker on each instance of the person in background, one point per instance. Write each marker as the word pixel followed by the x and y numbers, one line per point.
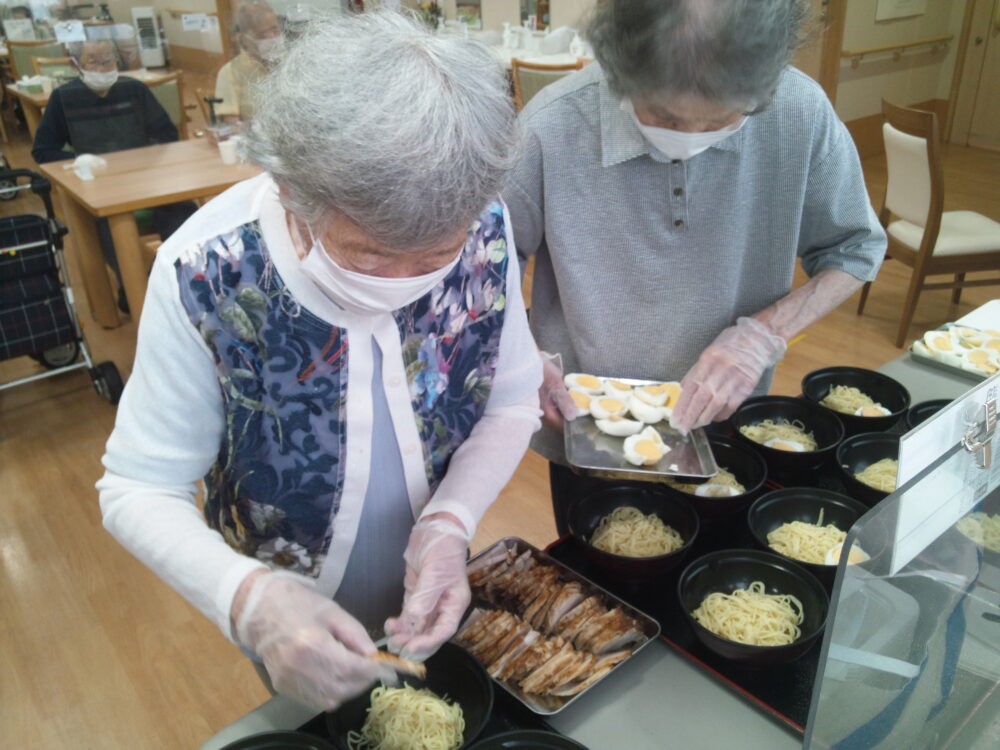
pixel 258 33
pixel 339 347
pixel 667 192
pixel 98 113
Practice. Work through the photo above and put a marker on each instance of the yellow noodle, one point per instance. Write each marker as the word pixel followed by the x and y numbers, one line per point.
pixel 409 719
pixel 630 532
pixel 847 399
pixel 982 528
pixel 881 475
pixel 766 429
pixel 808 542
pixel 724 477
pixel 752 616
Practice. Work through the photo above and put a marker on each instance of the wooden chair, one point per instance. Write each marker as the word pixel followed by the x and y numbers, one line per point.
pixel 60 68
pixel 922 235
pixel 169 92
pixel 22 52
pixel 530 78
pixel 201 95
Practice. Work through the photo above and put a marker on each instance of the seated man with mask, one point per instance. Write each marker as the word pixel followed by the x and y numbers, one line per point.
pixel 99 113
pixel 260 38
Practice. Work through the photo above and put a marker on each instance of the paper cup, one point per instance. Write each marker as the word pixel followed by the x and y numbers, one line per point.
pixel 227 150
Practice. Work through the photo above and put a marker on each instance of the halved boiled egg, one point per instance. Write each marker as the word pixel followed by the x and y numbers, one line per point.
pixel 582 382
pixel 582 401
pixel 715 490
pixel 618 426
pixel 654 395
pixel 982 360
pixel 970 338
pixel 992 345
pixel 939 341
pixel 875 410
pixel 617 388
pixel 644 449
pixel 644 412
pixel 783 444
pixel 604 407
pixel 854 556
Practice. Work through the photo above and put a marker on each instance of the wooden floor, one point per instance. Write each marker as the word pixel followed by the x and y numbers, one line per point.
pixel 96 652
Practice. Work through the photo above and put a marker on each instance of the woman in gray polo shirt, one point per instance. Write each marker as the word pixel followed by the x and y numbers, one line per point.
pixel 667 192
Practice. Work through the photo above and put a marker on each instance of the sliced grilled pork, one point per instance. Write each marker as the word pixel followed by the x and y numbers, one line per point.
pixel 569 595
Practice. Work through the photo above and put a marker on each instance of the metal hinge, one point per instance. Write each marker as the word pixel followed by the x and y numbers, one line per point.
pixel 979 439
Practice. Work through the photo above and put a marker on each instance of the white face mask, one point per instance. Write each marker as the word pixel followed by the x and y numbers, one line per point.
pixel 363 293
pixel 676 144
pixel 266 49
pixel 99 81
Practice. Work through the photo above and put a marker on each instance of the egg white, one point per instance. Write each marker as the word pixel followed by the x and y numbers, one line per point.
pixel 653 399
pixel 618 426
pixel 881 409
pixel 715 490
pixel 583 382
pixel 605 407
pixel 855 556
pixel 644 412
pixel 789 446
pixel 637 459
pixel 617 389
pixel 582 401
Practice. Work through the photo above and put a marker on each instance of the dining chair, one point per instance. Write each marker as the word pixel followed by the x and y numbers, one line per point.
pixel 60 68
pixel 169 92
pixel 530 77
pixel 921 234
pixel 22 52
pixel 201 95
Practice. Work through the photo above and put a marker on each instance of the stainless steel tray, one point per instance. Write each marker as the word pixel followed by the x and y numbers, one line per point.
pixel 931 362
pixel 548 705
pixel 590 451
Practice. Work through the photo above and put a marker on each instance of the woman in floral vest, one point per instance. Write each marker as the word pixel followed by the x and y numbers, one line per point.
pixel 339 349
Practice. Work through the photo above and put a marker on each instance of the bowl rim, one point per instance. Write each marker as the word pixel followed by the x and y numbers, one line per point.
pixel 734 444
pixel 686 504
pixel 754 400
pixel 797 571
pixel 907 396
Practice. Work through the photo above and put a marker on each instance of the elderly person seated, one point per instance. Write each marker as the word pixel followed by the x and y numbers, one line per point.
pixel 339 347
pixel 700 166
pixel 100 112
pixel 259 36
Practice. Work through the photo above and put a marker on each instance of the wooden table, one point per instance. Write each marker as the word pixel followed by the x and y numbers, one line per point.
pixel 34 104
pixel 134 179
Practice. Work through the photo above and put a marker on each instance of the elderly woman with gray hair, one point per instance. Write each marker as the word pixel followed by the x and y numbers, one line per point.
pixel 668 191
pixel 340 349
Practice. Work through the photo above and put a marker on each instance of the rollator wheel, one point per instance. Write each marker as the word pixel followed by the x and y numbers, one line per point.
pixel 58 356
pixel 107 381
pixel 8 190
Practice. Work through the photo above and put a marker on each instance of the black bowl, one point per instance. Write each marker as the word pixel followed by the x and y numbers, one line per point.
pixel 728 570
pixel 280 740
pixel 883 389
pixel 920 413
pixel 527 739
pixel 451 672
pixel 820 421
pixel 777 507
pixel 674 510
pixel 857 453
pixel 746 465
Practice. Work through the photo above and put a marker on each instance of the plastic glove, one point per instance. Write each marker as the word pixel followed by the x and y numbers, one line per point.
pixel 726 373
pixel 436 586
pixel 556 403
pixel 314 651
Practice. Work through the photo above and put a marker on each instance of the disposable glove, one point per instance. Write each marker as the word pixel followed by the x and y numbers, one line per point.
pixel 436 589
pixel 726 373
pixel 314 651
pixel 556 403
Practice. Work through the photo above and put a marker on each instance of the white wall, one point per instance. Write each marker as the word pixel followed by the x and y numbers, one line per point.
pixel 569 12
pixel 121 11
pixel 918 76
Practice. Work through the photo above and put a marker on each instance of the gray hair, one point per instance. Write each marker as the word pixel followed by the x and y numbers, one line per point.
pixel 408 134
pixel 76 49
pixel 727 51
pixel 248 12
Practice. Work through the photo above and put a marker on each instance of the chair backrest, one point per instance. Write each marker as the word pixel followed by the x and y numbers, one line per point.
pixel 201 95
pixel 914 178
pixel 169 92
pixel 60 68
pixel 22 52
pixel 530 78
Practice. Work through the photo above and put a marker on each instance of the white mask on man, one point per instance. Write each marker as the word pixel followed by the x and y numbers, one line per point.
pixel 266 49
pixel 676 144
pixel 363 293
pixel 99 80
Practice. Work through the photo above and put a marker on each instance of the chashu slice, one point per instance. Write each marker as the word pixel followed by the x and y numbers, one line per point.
pixel 531 659
pixel 573 621
pixel 514 649
pixel 599 667
pixel 536 612
pixel 554 671
pixel 501 639
pixel 611 631
pixel 569 595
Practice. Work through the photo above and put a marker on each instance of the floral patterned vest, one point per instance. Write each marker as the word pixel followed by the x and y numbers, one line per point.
pixel 275 487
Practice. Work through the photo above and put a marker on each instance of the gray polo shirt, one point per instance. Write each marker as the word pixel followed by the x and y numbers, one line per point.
pixel 641 261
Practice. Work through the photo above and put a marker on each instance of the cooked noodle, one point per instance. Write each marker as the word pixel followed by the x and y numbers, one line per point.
pixel 724 477
pixel 881 475
pixel 847 399
pixel 630 532
pixel 752 616
pixel 409 719
pixel 808 542
pixel 767 429
pixel 981 528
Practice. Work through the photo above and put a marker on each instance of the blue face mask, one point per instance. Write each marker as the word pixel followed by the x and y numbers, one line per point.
pixel 676 144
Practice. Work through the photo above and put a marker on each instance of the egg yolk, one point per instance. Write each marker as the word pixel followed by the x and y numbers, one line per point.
pixel 942 342
pixel 871 411
pixel 655 390
pixel 782 446
pixel 648 450
pixel 673 393
pixel 618 385
pixel 993 344
pixel 978 357
pixel 588 381
pixel 611 404
pixel 582 400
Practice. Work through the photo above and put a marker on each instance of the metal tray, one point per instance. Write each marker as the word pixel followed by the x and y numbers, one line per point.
pixel 589 451
pixel 548 705
pixel 975 376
